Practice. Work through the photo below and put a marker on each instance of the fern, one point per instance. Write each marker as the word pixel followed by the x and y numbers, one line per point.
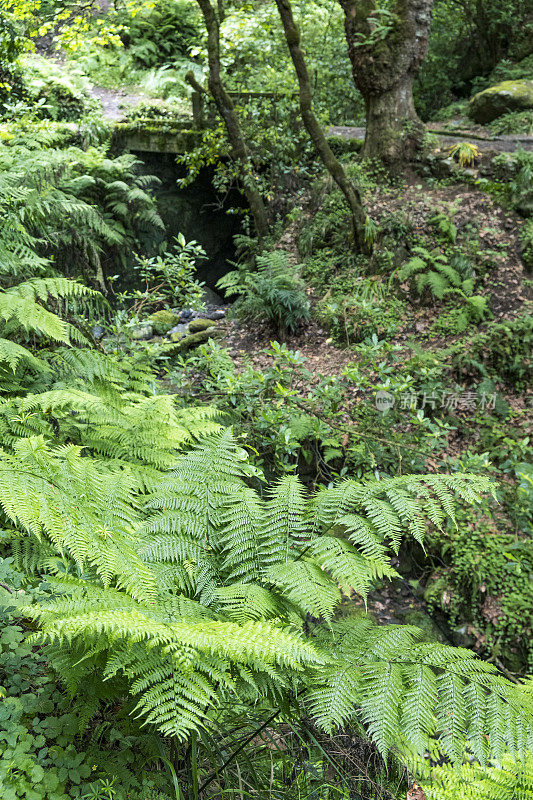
pixel 274 292
pixel 510 780
pixel 205 594
pixel 432 274
pixel 70 203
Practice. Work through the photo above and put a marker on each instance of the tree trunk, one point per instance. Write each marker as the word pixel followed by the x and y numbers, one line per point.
pixel 316 134
pixel 226 110
pixel 386 53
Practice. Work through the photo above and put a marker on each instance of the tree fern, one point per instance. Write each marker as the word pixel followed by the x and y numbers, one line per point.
pixel 177 600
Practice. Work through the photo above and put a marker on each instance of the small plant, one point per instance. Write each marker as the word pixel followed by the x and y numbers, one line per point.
pixel 169 278
pixel 444 225
pixel 465 153
pixel 433 272
pixel 371 231
pixel 274 292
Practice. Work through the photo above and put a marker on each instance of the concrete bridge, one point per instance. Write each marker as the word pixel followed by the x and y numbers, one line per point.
pixel 182 136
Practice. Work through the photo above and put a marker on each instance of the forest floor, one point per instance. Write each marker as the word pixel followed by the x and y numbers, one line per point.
pixel 506 287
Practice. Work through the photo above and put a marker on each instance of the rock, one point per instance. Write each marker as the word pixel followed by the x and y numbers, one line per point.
pixel 186 314
pixel 212 313
pixel 163 321
pixel 500 99
pixel 178 332
pixel 211 298
pixel 197 325
pixel 196 339
pixel 142 331
pixel 97 332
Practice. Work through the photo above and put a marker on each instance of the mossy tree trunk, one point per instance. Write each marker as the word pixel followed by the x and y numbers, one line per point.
pixel 229 116
pixel 316 134
pixel 386 52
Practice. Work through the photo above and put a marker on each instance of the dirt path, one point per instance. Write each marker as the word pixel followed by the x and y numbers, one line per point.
pixel 113 101
pixel 501 144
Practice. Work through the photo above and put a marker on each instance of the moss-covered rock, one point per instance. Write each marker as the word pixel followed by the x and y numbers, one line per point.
pixel 163 321
pixel 197 325
pixel 500 99
pixel 196 339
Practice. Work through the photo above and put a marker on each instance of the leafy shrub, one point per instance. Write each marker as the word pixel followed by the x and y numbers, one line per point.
pixel 328 226
pixel 493 594
pixel 455 109
pixel 508 70
pixel 368 310
pixel 515 187
pixel 57 96
pixel 172 109
pixel 169 278
pixel 12 45
pixel 273 292
pixel 526 240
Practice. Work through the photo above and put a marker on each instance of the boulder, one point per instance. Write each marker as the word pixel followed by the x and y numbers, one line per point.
pixel 163 321
pixel 197 325
pixel 501 99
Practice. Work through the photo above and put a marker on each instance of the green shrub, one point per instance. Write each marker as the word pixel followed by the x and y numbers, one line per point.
pixel 503 352
pixel 12 45
pixel 170 278
pixel 526 240
pixel 162 34
pixel 172 109
pixel 364 313
pixel 58 95
pixel 518 122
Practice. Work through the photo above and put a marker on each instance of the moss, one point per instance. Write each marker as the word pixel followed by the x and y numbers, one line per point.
pixel 195 339
pixel 197 325
pixel 163 321
pixel 155 138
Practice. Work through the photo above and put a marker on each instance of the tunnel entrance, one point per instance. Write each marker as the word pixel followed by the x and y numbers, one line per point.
pixel 197 212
